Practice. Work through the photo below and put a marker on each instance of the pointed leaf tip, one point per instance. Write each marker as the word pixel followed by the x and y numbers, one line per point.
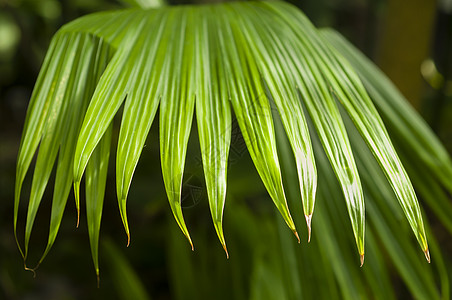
pixel 361 258
pixel 226 250
pixel 308 223
pixel 128 238
pixel 77 200
pixel 427 255
pixel 219 230
pixel 296 235
pixel 190 241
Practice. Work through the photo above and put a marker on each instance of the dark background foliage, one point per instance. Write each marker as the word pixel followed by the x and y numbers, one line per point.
pixel 411 43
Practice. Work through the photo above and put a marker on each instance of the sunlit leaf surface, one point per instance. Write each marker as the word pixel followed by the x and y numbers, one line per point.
pixel 219 63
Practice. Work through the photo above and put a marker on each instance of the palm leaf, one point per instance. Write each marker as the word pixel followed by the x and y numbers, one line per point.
pixel 177 106
pixel 213 115
pixel 326 269
pixel 409 131
pixel 318 99
pixel 252 110
pixel 96 178
pixel 271 66
pixel 137 117
pixel 251 54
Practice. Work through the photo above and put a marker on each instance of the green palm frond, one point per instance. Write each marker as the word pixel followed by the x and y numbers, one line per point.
pixel 267 261
pixel 214 61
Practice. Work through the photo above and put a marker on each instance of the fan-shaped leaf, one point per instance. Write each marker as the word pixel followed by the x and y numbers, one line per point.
pixel 178 56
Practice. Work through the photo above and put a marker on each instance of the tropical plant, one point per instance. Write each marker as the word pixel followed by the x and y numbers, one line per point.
pixel 226 62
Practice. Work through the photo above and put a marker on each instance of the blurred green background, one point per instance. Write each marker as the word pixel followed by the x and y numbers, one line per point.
pixel 413 46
